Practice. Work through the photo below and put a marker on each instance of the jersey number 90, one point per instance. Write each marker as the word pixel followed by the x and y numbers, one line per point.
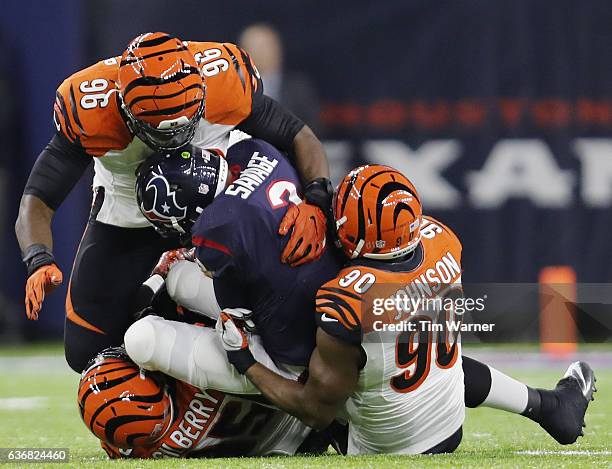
pixel 413 351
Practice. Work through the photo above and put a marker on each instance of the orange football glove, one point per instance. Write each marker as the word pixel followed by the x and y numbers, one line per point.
pixel 42 282
pixel 307 241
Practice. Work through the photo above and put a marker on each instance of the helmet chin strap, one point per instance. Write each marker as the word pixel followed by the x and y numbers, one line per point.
pixel 222 179
pixel 358 249
pixel 176 225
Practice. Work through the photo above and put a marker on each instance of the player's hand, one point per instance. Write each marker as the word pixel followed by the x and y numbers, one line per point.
pixel 42 282
pixel 233 326
pixel 307 241
pixel 169 258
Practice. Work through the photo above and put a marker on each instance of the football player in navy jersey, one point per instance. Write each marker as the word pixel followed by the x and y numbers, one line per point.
pixel 237 245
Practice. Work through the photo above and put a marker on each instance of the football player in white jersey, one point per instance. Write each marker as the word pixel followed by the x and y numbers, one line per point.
pixel 137 414
pixel 161 94
pixel 401 386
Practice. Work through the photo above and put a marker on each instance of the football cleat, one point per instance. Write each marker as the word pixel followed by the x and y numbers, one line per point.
pixel 563 416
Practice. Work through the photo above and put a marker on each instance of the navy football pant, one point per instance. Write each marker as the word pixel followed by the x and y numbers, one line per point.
pixel 110 265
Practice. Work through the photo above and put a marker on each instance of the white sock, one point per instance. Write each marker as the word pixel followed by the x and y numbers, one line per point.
pixel 506 393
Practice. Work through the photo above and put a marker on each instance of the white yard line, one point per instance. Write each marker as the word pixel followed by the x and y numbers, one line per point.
pixel 22 403
pixel 564 453
pixel 34 364
pixel 601 359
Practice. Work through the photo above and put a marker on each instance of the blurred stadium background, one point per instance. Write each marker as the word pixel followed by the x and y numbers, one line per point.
pixel 500 111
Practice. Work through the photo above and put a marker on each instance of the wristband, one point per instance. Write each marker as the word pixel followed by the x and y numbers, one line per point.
pixel 320 192
pixel 146 294
pixel 241 359
pixel 37 256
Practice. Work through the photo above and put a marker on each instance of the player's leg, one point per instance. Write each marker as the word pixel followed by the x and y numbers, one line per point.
pixel 189 287
pixel 110 265
pixel 559 411
pixel 190 353
pixel 449 445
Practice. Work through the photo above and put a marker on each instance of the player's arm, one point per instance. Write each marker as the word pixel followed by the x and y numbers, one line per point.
pixel 57 169
pixel 273 123
pixel 333 372
pixel 270 121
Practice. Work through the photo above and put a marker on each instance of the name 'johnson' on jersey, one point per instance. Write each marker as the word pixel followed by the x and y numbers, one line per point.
pixel 87 111
pixel 410 393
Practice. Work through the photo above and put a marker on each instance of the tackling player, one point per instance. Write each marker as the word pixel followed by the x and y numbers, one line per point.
pixel 405 389
pixel 242 258
pixel 404 395
pixel 137 414
pixel 159 95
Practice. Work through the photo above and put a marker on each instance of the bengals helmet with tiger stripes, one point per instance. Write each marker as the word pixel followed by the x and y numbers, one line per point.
pixel 378 213
pixel 122 405
pixel 161 91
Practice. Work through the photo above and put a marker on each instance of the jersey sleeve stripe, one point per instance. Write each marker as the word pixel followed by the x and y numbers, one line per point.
pixel 208 243
pixel 334 311
pixel 75 112
pixel 252 72
pixel 355 296
pixel 61 104
pixel 236 66
pixel 350 315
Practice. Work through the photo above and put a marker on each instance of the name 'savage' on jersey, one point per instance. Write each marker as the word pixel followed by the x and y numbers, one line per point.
pixel 257 170
pixel 411 387
pixel 244 257
pixel 87 112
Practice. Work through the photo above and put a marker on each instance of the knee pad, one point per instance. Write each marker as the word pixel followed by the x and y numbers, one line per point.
pixel 140 340
pixel 189 287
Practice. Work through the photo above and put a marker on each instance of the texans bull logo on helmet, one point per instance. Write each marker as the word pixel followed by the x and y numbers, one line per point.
pixel 164 206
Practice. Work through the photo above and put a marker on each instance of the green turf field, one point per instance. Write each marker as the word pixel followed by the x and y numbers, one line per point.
pixel 491 438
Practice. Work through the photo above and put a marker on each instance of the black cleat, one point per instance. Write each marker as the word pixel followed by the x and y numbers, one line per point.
pixel 563 409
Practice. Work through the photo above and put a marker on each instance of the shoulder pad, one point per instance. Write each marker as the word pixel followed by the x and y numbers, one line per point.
pixel 343 304
pixel 86 109
pixel 432 229
pixel 232 81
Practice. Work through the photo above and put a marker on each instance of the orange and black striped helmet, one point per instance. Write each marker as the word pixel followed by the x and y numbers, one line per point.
pixel 121 404
pixel 378 213
pixel 161 91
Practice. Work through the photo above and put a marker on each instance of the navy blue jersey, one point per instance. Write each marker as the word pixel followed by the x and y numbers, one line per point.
pixel 237 239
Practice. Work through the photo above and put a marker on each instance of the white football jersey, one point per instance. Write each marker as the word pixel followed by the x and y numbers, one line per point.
pixel 384 420
pixel 116 172
pixel 88 113
pixel 410 394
